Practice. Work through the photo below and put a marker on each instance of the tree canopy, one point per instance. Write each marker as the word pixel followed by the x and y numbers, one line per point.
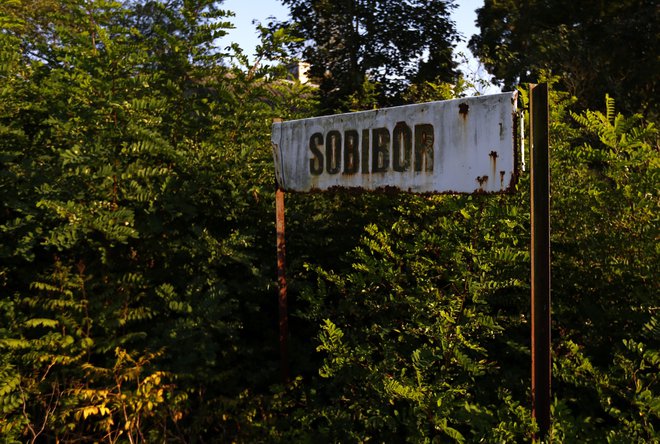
pixel 594 47
pixel 390 43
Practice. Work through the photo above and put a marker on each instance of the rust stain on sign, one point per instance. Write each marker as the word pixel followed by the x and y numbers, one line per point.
pixel 463 110
pixel 422 148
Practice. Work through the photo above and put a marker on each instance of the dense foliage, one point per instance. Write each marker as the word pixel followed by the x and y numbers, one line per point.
pixel 134 208
pixel 137 263
pixel 595 47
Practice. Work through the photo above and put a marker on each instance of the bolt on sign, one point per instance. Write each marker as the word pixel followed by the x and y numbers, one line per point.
pixel 453 146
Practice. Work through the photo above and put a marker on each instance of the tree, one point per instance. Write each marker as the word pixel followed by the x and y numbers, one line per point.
pixel 595 47
pixel 133 172
pixel 392 43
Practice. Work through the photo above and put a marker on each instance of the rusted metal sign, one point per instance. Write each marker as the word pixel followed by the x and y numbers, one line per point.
pixel 462 146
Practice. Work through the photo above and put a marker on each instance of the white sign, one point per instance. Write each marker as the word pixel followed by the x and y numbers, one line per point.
pixel 453 146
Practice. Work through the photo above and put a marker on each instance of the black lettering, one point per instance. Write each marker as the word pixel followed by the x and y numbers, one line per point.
pixel 380 155
pixel 351 152
pixel 333 152
pixel 401 138
pixel 316 162
pixel 424 147
pixel 365 151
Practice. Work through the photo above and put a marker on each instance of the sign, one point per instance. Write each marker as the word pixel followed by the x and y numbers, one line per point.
pixel 452 146
pixel 430 147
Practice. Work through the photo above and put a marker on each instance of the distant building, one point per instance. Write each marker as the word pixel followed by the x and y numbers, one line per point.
pixel 300 72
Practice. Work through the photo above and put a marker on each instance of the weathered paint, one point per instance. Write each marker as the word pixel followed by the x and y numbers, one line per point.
pixel 462 145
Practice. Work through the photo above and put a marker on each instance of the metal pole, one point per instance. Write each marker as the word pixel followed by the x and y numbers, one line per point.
pixel 281 283
pixel 281 280
pixel 540 215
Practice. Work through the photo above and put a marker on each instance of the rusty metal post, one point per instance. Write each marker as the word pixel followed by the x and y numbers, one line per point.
pixel 283 315
pixel 281 283
pixel 540 252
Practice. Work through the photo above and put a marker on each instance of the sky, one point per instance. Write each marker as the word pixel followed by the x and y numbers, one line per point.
pixel 246 11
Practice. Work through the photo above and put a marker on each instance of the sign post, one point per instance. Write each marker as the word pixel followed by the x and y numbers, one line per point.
pixel 283 314
pixel 281 285
pixel 540 253
pixel 455 146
